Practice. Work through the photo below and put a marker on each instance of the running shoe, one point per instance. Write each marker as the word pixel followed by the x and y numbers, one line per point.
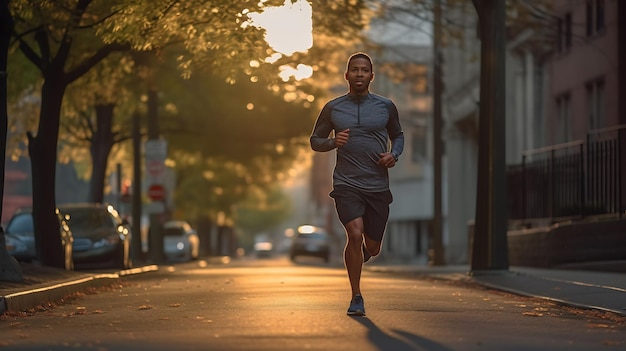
pixel 357 306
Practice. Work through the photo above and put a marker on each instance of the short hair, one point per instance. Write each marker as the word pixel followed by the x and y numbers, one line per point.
pixel 360 55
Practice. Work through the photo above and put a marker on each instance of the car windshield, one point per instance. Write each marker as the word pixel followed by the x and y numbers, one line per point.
pixel 173 232
pixel 87 219
pixel 21 223
pixel 314 236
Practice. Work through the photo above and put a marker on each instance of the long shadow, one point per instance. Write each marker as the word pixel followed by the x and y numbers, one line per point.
pixel 384 341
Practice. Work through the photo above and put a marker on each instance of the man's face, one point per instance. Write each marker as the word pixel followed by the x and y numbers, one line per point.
pixel 359 75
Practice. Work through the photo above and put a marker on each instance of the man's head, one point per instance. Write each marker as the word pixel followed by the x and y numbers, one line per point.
pixel 359 73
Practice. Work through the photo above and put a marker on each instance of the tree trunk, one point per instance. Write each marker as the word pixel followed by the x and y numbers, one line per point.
pixel 490 248
pixel 43 155
pixel 9 268
pixel 101 145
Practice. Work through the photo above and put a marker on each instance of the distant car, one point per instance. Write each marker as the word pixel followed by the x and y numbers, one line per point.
pixel 263 249
pixel 180 241
pixel 20 238
pixel 101 237
pixel 263 245
pixel 310 241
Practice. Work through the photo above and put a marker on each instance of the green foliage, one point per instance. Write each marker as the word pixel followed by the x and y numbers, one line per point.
pixel 231 140
pixel 233 127
pixel 263 211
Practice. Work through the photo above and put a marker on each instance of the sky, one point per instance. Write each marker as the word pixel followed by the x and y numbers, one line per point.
pixel 288 30
pixel 289 27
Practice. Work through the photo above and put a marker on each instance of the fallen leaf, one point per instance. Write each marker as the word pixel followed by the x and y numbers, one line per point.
pixel 174 305
pixel 611 342
pixel 533 314
pixel 145 307
pixel 597 325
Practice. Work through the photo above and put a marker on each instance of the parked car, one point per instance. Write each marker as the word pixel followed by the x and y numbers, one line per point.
pixel 311 241
pixel 20 238
pixel 263 245
pixel 101 237
pixel 180 241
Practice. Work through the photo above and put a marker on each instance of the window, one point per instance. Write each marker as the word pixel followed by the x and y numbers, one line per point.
pixel 596 103
pixel 595 17
pixel 599 15
pixel 564 28
pixel 568 30
pixel 563 122
pixel 589 18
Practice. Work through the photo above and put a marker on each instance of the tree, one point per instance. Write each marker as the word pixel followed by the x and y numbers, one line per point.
pixel 52 59
pixel 65 39
pixel 490 251
pixel 9 269
pixel 143 25
pixel 96 118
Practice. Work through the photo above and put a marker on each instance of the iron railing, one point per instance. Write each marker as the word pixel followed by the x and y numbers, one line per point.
pixel 575 179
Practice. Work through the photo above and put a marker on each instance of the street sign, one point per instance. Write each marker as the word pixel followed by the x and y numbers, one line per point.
pixel 156 154
pixel 156 192
pixel 155 168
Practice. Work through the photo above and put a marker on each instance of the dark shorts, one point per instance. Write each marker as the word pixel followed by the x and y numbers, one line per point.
pixel 373 207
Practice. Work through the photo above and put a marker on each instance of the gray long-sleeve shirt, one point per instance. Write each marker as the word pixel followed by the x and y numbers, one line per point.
pixel 374 123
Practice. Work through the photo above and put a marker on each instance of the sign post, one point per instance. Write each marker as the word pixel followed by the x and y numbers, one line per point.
pixel 155 155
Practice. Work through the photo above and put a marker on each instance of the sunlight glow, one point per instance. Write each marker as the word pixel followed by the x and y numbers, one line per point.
pixel 300 72
pixel 289 27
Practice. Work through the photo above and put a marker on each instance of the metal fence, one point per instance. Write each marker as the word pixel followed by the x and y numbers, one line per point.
pixel 576 179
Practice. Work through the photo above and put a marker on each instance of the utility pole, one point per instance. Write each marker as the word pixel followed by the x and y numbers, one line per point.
pixel 438 258
pixel 490 249
pixel 136 240
pixel 155 154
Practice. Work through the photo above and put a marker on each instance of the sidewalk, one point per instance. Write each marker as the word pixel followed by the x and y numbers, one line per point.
pixel 587 289
pixel 600 290
pixel 43 285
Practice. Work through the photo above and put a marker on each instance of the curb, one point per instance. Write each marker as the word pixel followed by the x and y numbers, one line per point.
pixel 29 299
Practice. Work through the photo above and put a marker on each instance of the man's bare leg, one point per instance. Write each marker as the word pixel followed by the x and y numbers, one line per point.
pixel 353 254
pixel 372 246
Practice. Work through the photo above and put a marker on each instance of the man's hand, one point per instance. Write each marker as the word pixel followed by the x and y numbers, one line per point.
pixel 342 138
pixel 387 160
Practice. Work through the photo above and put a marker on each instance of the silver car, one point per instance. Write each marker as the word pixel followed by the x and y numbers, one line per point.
pixel 180 241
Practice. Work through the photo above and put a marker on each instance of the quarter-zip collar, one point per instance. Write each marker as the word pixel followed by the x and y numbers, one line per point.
pixel 358 99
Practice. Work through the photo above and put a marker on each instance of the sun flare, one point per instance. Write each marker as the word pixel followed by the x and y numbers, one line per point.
pixel 289 27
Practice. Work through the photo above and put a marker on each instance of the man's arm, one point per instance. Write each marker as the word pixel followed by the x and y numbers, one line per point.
pixel 323 126
pixel 395 131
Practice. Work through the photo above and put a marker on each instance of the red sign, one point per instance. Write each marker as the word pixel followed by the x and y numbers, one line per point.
pixel 156 192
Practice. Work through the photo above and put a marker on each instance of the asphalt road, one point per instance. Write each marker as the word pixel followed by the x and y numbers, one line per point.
pixel 274 304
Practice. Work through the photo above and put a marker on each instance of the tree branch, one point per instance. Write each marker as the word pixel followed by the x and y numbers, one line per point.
pixel 87 64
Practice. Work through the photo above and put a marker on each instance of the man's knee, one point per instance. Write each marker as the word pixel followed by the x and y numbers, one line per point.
pixel 354 231
pixel 355 237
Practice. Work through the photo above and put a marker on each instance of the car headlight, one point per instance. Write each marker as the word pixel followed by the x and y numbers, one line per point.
pixel 111 240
